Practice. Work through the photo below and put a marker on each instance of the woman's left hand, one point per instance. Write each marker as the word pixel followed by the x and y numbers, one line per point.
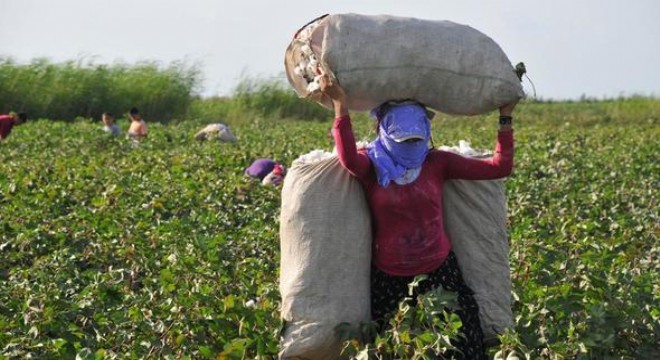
pixel 507 110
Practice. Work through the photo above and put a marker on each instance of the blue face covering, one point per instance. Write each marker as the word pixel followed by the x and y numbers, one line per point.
pixel 390 154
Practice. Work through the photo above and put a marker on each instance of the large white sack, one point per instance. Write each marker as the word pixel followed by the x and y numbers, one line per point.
pixel 475 215
pixel 450 67
pixel 325 234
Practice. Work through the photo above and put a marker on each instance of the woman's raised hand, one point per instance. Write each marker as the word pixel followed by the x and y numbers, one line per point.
pixel 507 109
pixel 331 88
pixel 336 93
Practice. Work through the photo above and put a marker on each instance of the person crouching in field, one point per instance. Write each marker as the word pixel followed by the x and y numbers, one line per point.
pixel 403 181
pixel 138 128
pixel 109 125
pixel 268 171
pixel 8 121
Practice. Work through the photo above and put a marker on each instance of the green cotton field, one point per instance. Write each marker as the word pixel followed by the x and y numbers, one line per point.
pixel 165 250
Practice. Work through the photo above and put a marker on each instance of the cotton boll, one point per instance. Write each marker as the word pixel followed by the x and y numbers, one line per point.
pixel 306 49
pixel 303 65
pixel 313 86
pixel 320 155
pixel 464 148
pixel 313 61
pixel 312 157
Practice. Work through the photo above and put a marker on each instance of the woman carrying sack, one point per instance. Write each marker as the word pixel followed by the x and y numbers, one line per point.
pixel 403 179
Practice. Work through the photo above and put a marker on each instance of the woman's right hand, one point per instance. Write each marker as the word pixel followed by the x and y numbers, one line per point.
pixel 331 89
pixel 334 92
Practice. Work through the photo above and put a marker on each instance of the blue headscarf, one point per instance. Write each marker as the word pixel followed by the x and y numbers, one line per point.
pixel 389 153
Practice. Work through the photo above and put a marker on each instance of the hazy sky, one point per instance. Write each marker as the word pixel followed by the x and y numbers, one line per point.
pixel 599 48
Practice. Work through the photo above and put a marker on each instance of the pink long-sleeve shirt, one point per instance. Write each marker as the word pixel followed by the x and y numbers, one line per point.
pixel 407 220
pixel 6 124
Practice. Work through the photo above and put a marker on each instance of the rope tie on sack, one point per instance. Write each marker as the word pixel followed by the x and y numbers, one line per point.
pixel 521 70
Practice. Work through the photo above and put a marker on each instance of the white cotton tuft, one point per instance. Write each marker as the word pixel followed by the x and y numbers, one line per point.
pixel 464 148
pixel 319 155
pixel 312 157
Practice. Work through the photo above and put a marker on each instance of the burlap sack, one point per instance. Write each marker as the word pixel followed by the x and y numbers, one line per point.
pixel 325 235
pixel 475 216
pixel 449 67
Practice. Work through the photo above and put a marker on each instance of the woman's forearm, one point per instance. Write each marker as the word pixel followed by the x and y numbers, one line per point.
pixel 505 127
pixel 506 117
pixel 340 108
pixel 358 165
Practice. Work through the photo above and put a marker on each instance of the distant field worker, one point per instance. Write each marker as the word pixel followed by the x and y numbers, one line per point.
pixel 270 172
pixel 109 125
pixel 8 121
pixel 403 177
pixel 138 128
pixel 217 131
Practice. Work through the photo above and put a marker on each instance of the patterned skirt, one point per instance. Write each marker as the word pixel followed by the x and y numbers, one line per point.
pixel 388 290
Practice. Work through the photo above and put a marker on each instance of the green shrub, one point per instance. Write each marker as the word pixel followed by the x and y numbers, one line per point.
pixel 63 91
